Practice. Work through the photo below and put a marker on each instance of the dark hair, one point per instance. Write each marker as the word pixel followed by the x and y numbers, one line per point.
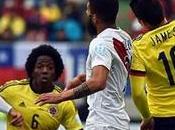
pixel 44 50
pixel 167 4
pixel 150 11
pixel 107 10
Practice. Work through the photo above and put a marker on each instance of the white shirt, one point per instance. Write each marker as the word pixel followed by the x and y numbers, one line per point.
pixel 4 106
pixel 107 106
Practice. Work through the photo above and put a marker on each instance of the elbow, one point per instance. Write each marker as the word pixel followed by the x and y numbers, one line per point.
pixel 97 85
pixel 82 77
pixel 100 85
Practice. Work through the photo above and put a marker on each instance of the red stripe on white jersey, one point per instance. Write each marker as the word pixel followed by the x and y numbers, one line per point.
pixel 122 52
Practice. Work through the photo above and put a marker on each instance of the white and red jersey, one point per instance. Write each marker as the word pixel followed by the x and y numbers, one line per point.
pixel 111 48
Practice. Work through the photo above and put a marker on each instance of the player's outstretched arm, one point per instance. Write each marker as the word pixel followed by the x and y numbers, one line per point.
pixel 95 83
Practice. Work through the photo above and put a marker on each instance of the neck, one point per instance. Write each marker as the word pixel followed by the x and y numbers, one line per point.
pixel 165 21
pixel 161 24
pixel 41 88
pixel 101 27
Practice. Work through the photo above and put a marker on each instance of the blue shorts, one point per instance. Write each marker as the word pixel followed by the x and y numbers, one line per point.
pixel 164 123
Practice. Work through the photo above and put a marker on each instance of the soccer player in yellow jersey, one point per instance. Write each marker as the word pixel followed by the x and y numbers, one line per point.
pixel 153 67
pixel 44 65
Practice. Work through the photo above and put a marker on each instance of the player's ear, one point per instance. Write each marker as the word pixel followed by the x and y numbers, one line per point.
pixel 144 24
pixel 94 18
pixel 141 22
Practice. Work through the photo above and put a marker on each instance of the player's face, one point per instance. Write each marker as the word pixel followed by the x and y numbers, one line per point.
pixel 44 71
pixel 91 27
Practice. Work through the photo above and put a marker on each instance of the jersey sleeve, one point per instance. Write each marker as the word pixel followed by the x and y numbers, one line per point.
pixel 100 55
pixel 4 106
pixel 71 120
pixel 137 64
pixel 4 91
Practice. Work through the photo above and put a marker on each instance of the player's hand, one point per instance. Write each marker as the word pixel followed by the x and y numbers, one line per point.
pixel 51 98
pixel 147 124
pixel 17 119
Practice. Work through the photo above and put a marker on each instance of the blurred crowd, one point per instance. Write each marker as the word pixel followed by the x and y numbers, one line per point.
pixel 54 20
pixel 41 20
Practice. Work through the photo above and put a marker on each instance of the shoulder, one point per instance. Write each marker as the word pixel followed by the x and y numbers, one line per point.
pixel 139 44
pixel 97 41
pixel 59 86
pixel 123 34
pixel 141 41
pixel 138 38
pixel 14 83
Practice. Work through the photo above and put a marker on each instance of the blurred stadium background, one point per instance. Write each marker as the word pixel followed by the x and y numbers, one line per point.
pixel 25 24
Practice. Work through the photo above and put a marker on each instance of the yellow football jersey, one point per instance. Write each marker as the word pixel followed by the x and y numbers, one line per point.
pixel 154 55
pixel 46 117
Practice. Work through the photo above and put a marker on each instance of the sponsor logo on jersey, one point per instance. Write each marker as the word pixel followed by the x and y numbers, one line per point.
pixel 53 110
